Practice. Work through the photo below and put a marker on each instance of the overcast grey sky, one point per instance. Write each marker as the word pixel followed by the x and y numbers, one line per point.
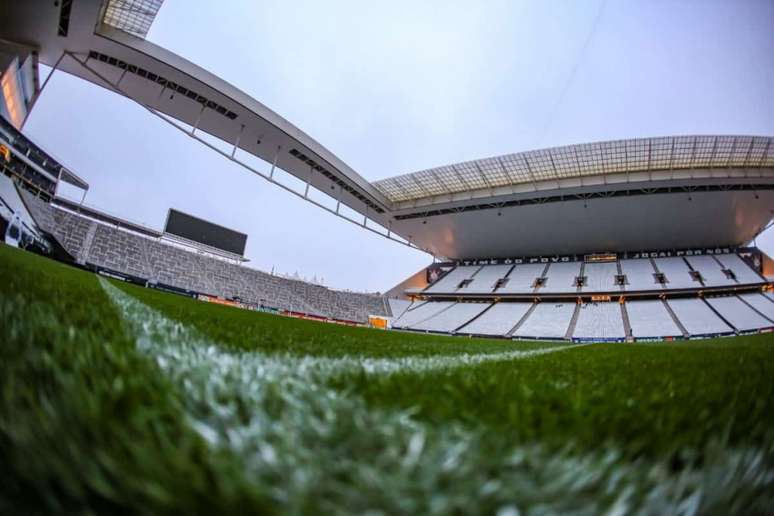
pixel 394 87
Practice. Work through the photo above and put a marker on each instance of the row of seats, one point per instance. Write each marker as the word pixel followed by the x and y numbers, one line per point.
pixel 627 275
pixel 91 242
pixel 684 317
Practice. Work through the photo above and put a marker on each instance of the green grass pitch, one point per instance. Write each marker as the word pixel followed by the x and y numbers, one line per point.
pixel 115 398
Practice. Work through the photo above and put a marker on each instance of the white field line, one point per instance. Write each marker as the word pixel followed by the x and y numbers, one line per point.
pixel 151 327
pixel 312 447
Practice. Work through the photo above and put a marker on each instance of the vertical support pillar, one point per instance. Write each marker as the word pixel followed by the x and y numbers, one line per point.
pixel 274 162
pixel 236 143
pixel 83 199
pixel 308 181
pixel 338 201
pixel 198 118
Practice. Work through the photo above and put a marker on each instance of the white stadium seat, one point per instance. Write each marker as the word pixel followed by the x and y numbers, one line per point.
pixel 599 320
pixel 639 274
pixel 745 275
pixel 498 320
pixel 761 303
pixel 651 319
pixel 522 278
pixel 452 318
pixel 423 311
pixel 485 280
pixel 711 271
pixel 697 317
pixel 561 277
pixel 738 313
pixel 600 277
pixel 452 279
pixel 398 306
pixel 678 275
pixel 547 320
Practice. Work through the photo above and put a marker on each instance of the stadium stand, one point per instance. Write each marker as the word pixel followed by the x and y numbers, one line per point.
pixel 759 303
pixel 486 279
pixel 599 321
pixel 743 273
pixel 548 321
pixel 522 278
pixel 398 306
pixel 697 317
pixel 421 312
pixel 452 318
pixel 711 271
pixel 499 320
pixel 451 280
pixel 677 273
pixel 10 196
pixel 651 319
pixel 40 211
pixel 600 277
pixel 121 250
pixel 639 274
pixel 561 277
pixel 738 313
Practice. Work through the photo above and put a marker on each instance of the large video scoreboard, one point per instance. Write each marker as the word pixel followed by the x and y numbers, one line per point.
pixel 193 228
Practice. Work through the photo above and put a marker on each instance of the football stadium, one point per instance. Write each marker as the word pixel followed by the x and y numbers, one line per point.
pixel 593 333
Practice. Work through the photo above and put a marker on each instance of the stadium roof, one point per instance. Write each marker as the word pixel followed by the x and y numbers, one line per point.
pixel 668 192
pixel 132 16
pixel 590 159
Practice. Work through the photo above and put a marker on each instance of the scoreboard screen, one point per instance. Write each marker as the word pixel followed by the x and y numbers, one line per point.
pixel 193 228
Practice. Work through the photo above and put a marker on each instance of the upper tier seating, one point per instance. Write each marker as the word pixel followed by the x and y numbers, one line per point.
pixel 547 320
pixel 600 277
pixel 522 278
pixel 651 319
pixel 697 317
pixel 743 272
pixel 678 275
pixel 561 277
pixel 498 320
pixel 738 313
pixel 419 313
pixel 639 274
pixel 452 318
pixel 485 280
pixel 599 320
pixel 711 271
pixel 451 280
pixel 760 303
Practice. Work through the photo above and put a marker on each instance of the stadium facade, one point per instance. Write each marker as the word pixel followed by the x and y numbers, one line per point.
pixel 630 239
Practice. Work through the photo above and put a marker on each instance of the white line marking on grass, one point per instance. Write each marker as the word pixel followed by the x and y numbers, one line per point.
pixel 152 327
pixel 312 448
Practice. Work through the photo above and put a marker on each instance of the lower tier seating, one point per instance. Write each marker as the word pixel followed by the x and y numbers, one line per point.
pixel 547 320
pixel 599 321
pixel 498 320
pixel 697 317
pixel 452 318
pixel 651 319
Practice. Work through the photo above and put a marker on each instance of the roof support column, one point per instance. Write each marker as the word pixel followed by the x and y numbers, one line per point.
pixel 236 143
pixel 309 180
pixel 274 162
pixel 198 118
